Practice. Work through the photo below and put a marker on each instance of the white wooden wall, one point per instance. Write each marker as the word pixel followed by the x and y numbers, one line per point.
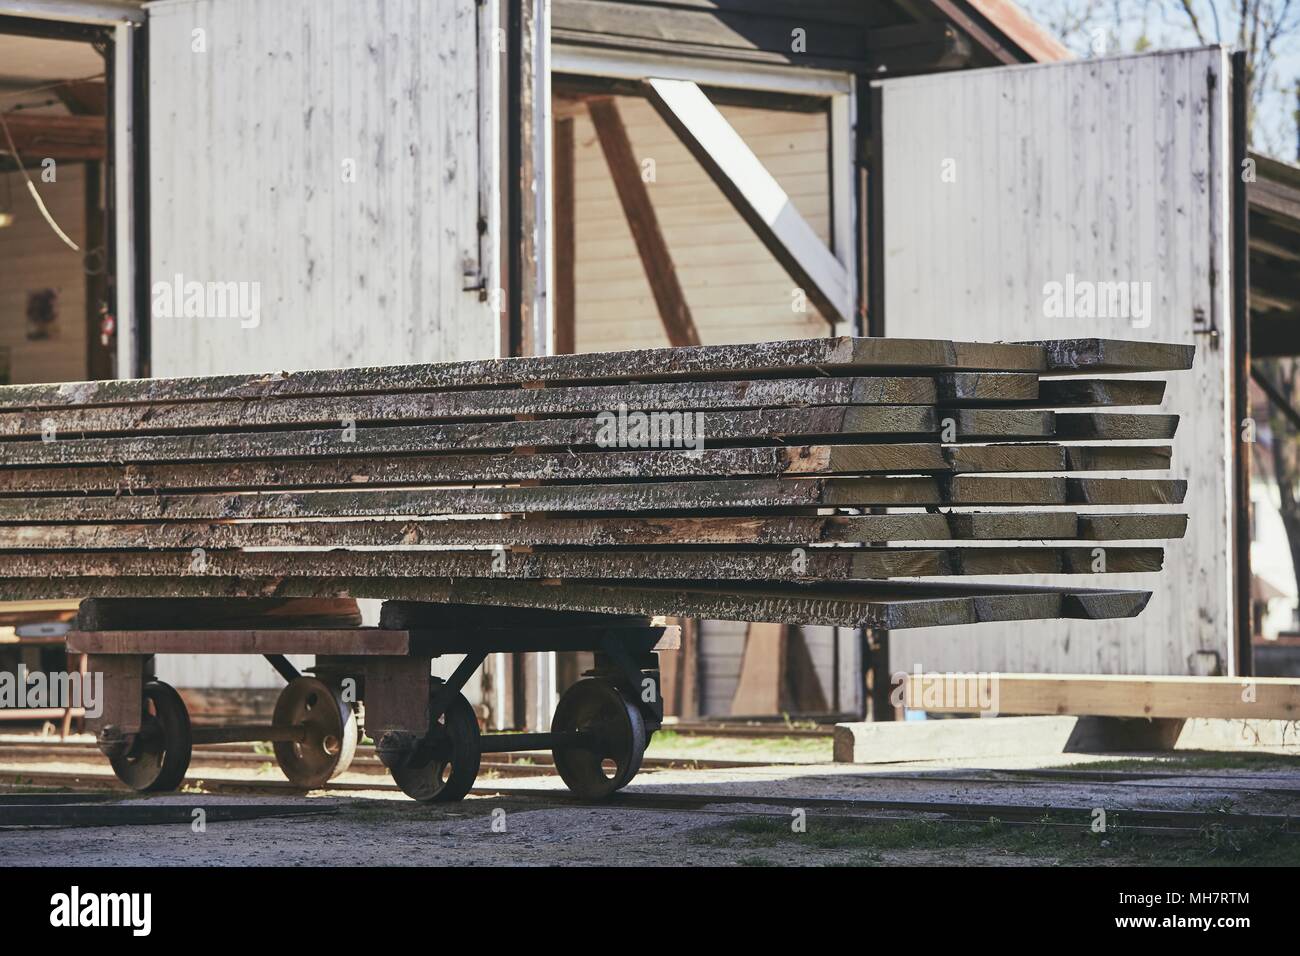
pixel 33 258
pixel 248 145
pixel 736 291
pixel 1112 169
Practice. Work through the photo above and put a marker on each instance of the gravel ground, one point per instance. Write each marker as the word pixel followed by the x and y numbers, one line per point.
pixel 384 828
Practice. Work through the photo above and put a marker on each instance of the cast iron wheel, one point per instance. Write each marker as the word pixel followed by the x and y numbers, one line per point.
pixel 597 707
pixel 158 756
pixel 444 765
pixel 330 726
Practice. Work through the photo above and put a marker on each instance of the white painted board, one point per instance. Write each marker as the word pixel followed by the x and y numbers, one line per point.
pixel 998 182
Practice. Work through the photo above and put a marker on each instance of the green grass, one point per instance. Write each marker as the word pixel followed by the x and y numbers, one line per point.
pixel 868 842
pixel 1195 760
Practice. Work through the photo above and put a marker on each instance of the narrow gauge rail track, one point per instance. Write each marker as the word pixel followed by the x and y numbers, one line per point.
pixel 526 764
pixel 1144 820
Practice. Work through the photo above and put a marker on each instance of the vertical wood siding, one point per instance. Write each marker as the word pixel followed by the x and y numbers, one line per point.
pixel 247 148
pixel 1113 170
pixel 248 143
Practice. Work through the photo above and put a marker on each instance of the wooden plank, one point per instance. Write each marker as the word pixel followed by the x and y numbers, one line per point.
pixel 360 642
pixel 656 260
pixel 983 490
pixel 249 460
pixel 1132 527
pixel 839 355
pixel 1110 427
pixel 459 407
pixel 693 496
pixel 311 612
pixel 820 564
pixel 756 194
pixel 609 531
pixel 1247 698
pixel 1067 356
pixel 1100 392
pixel 894 605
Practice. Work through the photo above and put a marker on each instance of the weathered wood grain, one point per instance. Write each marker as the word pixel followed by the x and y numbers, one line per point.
pixel 609 531
pixel 1147 526
pixel 1066 356
pixel 1097 393
pixel 794 565
pixel 840 355
pixel 1111 427
pixel 417 407
pixel 732 495
pixel 892 605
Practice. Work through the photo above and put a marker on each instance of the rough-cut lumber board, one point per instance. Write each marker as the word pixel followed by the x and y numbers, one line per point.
pixel 820 564
pixel 709 429
pixel 642 222
pixel 352 641
pixel 893 605
pixel 100 615
pixel 1111 427
pixel 983 490
pixel 1132 527
pixel 797 358
pixel 1095 393
pixel 1261 698
pixel 1065 356
pixel 367 641
pixel 418 407
pixel 573 467
pixel 609 531
pixel 691 496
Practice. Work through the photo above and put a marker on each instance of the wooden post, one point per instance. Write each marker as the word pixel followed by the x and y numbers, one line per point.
pixel 565 278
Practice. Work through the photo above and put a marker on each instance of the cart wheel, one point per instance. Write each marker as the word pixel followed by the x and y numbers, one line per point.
pixel 157 757
pixel 598 707
pixel 444 765
pixel 330 741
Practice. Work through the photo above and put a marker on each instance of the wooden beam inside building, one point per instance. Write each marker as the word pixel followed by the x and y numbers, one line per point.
pixel 756 194
pixel 644 224
pixel 71 139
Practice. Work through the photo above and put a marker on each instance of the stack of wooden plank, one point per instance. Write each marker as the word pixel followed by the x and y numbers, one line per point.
pixel 790 482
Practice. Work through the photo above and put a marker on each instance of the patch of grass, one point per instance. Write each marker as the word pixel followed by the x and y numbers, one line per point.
pixel 1196 760
pixel 754 861
pixel 1060 844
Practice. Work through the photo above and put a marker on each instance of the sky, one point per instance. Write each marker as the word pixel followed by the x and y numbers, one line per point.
pixel 1109 27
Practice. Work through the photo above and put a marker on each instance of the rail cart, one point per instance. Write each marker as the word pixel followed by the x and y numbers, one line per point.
pixel 377 681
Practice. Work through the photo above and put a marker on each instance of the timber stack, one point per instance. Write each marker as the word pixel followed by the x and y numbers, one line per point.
pixel 819 481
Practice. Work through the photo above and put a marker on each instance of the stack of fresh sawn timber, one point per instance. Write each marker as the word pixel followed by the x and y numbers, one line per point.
pixel 828 467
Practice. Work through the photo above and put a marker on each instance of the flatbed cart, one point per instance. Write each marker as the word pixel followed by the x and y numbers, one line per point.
pixel 377 680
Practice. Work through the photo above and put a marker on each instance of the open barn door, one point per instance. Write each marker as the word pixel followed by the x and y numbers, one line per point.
pixel 1087 198
pixel 324 183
